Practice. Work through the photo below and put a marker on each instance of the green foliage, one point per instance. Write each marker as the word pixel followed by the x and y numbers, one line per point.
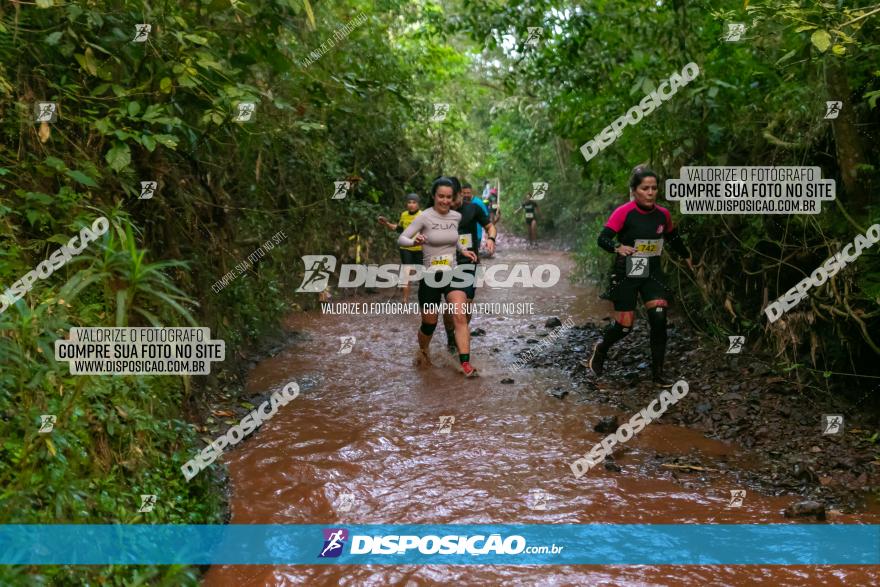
pixel 131 284
pixel 163 111
pixel 759 101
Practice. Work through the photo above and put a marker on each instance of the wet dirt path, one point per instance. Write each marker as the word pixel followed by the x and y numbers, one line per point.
pixel 366 424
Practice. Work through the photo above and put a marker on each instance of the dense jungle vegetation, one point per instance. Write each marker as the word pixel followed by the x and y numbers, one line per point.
pixel 359 109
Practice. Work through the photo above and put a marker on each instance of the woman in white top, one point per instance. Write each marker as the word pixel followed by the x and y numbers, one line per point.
pixel 436 229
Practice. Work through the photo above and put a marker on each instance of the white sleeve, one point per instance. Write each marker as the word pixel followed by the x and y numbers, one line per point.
pixel 406 237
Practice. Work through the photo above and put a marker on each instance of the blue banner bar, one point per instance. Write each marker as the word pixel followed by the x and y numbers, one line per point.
pixel 513 544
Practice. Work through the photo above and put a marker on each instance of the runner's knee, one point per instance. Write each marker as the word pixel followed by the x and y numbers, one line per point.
pixel 427 329
pixel 625 319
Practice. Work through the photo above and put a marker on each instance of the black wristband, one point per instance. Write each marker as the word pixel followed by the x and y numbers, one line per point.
pixel 492 238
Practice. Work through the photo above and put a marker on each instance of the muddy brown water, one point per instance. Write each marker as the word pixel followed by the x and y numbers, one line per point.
pixel 366 424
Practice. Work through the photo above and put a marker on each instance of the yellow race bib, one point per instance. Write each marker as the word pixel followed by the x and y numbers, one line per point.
pixel 441 262
pixel 648 247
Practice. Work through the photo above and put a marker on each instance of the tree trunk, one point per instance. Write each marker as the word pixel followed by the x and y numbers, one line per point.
pixel 846 137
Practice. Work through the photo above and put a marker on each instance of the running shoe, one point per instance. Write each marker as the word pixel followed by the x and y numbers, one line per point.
pixel 422 359
pixel 468 369
pixel 661 380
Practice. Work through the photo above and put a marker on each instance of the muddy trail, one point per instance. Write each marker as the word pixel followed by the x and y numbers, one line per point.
pixel 363 437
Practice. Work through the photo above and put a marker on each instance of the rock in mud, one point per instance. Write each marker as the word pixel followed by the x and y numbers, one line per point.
pixel 610 465
pixel 531 340
pixel 804 472
pixel 559 393
pixel 552 322
pixel 478 332
pixel 806 508
pixel 607 424
pixel 507 381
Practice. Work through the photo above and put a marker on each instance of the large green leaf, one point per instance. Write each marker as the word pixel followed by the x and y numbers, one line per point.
pixel 169 141
pixel 119 157
pixel 149 142
pixel 82 178
pixel 310 15
pixel 53 38
pixel 196 38
pixel 821 39
pixel 55 163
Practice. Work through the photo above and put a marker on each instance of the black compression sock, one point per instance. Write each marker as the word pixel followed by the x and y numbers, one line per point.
pixel 613 334
pixel 464 357
pixel 657 321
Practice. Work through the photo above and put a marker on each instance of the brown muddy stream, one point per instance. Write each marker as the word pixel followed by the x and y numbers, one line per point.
pixel 366 424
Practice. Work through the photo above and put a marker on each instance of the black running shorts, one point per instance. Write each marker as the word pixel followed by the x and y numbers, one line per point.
pixel 625 291
pixel 411 257
pixel 433 295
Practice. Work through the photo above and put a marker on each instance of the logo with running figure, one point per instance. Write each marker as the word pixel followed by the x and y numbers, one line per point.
pixel 245 112
pixel 538 499
pixel 440 112
pixel 446 423
pixel 47 423
pixel 334 540
pixel 340 189
pixel 736 344
pixel 147 503
pixel 45 111
pixel 539 189
pixel 832 424
pixel 734 32
pixel 636 267
pixel 346 500
pixel 346 344
pixel 318 271
pixel 141 33
pixel 737 496
pixel 534 36
pixel 148 188
pixel 832 109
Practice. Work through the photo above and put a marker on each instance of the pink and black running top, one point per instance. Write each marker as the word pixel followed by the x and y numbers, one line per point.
pixel 630 222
